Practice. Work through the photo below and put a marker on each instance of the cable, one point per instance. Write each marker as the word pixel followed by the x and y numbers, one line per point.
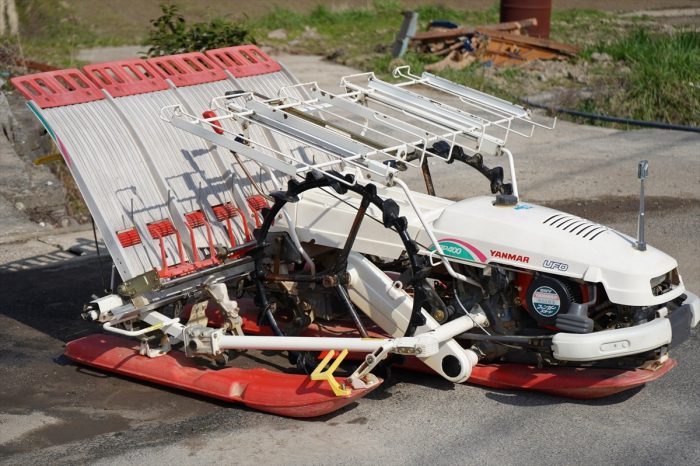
pixel 249 176
pixel 459 301
pixel 612 119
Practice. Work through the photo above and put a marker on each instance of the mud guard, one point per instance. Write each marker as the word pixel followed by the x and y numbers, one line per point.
pixel 581 383
pixel 289 395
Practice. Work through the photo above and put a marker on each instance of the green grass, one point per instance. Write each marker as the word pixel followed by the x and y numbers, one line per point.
pixel 649 77
pixel 50 33
pixel 658 85
pixel 356 31
pixel 362 35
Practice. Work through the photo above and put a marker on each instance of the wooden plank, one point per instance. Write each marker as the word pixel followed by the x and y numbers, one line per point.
pixel 512 25
pixel 445 51
pixel 455 60
pixel 33 65
pixel 435 35
pixel 531 41
pixel 503 53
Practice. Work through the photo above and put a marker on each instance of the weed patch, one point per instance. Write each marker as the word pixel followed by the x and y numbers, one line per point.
pixel 172 34
pixel 659 81
pixel 650 72
pixel 50 33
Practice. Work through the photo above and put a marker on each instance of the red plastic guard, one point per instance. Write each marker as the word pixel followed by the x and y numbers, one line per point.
pixel 187 69
pixel 244 60
pixel 161 228
pixel 257 203
pixel 57 88
pixel 224 211
pixel 126 77
pixel 129 237
pixel 196 219
pixel 283 394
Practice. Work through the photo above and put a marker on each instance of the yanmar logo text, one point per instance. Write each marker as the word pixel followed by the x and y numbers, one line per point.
pixel 510 256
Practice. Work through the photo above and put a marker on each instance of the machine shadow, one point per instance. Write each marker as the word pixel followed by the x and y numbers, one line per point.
pixel 50 298
pixel 532 398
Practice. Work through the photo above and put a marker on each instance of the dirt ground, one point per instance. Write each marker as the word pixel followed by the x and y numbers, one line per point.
pixel 139 11
pixel 134 15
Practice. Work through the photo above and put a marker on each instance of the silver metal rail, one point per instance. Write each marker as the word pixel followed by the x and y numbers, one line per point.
pixel 400 126
pixel 493 112
pixel 342 150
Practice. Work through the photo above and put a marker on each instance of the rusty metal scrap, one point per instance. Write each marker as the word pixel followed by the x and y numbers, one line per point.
pixel 441 34
pixel 502 44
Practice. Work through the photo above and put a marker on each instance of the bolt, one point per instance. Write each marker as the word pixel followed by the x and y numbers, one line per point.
pixel 329 281
pixel 439 315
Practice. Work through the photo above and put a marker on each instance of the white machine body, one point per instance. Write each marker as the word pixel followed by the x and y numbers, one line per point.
pixel 526 236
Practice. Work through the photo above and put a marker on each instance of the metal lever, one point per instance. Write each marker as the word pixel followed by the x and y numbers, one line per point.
pixel 642 173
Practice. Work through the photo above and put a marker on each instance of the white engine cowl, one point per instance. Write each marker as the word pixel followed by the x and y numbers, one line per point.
pixel 525 235
pixel 548 240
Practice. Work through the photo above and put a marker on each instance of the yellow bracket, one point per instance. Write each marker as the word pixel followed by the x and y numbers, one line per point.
pixel 153 327
pixel 327 375
pixel 47 159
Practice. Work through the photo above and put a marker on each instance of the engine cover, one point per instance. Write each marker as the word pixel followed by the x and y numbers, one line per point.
pixel 548 296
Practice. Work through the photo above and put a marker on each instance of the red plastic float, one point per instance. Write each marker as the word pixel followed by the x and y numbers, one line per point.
pixel 582 383
pixel 273 392
pixel 568 382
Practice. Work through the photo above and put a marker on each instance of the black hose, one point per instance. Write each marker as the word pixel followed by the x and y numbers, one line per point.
pixel 611 119
pixel 503 338
pixel 267 310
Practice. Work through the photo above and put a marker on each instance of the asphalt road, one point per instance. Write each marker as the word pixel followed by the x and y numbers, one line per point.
pixel 52 411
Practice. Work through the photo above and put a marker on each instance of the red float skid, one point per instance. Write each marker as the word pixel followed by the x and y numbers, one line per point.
pixel 283 394
pixel 571 382
pixel 582 383
pixel 568 382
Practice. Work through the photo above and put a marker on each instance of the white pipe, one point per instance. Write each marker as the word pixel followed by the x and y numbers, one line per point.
pixel 457 326
pixel 364 345
pixel 429 231
pixel 511 166
pixel 301 343
pixel 372 291
pixel 297 244
pixel 292 230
